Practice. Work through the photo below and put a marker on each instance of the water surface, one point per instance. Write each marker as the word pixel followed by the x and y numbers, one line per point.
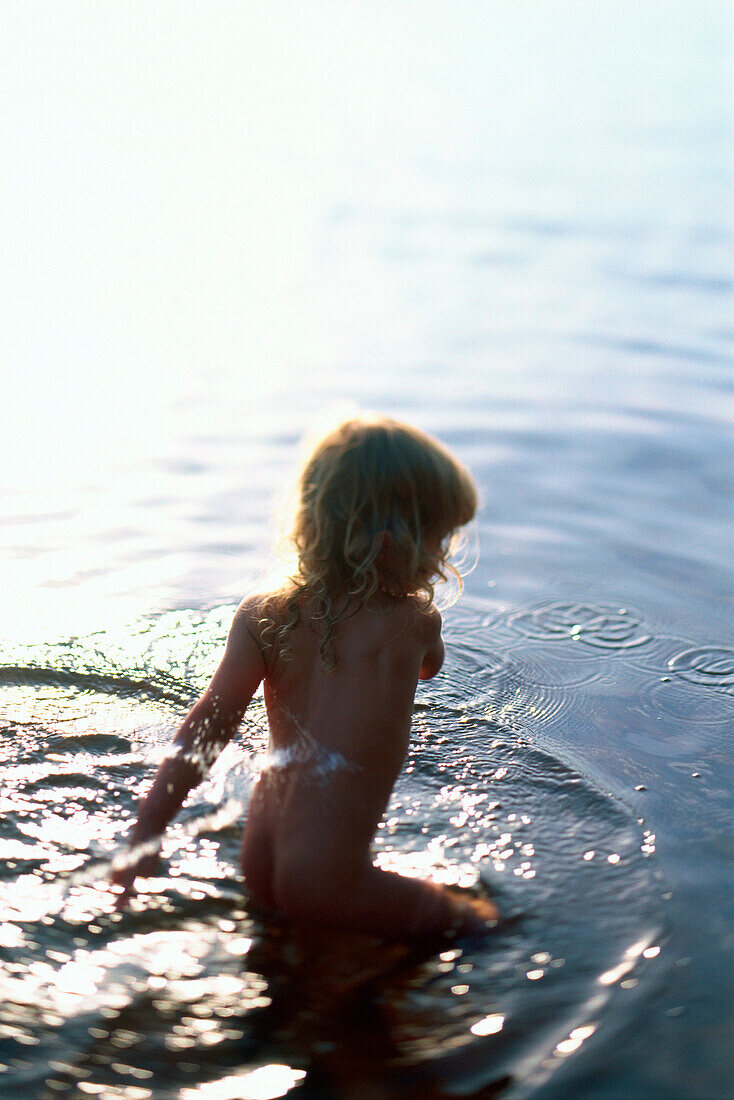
pixel 511 227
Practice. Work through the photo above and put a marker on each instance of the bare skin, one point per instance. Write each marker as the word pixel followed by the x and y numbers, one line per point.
pixel 338 740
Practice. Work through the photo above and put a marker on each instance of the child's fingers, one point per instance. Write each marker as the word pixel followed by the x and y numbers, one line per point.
pixel 122 895
pixel 476 913
pixel 485 909
pixel 125 874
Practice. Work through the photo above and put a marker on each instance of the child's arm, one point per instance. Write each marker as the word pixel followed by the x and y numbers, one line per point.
pixel 435 651
pixel 207 728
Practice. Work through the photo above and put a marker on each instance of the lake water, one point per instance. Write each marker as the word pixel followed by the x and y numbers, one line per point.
pixel 225 225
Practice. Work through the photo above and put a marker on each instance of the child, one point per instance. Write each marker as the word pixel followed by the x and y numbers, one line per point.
pixel 340 650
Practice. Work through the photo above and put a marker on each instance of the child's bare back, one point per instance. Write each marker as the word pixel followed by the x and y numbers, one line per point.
pixel 338 741
pixel 339 652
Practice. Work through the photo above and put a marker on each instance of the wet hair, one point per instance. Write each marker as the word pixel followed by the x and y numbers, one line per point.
pixel 378 505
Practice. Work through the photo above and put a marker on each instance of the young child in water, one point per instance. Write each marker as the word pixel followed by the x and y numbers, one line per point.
pixel 339 649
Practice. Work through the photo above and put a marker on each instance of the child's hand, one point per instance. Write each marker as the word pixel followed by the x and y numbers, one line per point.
pixel 484 909
pixel 122 877
pixel 477 914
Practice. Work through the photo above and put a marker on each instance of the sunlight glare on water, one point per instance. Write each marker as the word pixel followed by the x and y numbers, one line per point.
pixel 264 1083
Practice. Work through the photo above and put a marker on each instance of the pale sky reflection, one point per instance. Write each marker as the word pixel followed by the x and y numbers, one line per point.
pixel 182 263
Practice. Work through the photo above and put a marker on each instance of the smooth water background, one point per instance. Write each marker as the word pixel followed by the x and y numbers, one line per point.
pixel 224 224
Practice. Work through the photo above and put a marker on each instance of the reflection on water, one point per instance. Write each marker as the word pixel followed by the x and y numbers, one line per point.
pixel 190 990
pixel 190 983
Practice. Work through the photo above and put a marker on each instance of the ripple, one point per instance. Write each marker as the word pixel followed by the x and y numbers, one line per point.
pixel 479 797
pixel 543 705
pixel 655 656
pixel 528 698
pixel 607 628
pixel 710 666
pixel 90 681
pixel 68 717
pixel 666 696
pixel 551 846
pixel 514 685
pixel 551 671
pixel 476 673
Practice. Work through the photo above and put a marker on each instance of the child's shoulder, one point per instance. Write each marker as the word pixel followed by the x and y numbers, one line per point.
pixel 259 605
pixel 257 612
pixel 257 619
pixel 260 611
pixel 425 621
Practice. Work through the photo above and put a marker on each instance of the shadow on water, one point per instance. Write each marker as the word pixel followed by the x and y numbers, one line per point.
pixel 190 993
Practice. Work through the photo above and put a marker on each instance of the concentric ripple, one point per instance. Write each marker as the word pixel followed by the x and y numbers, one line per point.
pixel 480 801
pixel 710 666
pixel 610 628
pixel 672 697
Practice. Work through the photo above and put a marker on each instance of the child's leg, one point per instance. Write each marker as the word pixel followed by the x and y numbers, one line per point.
pixel 400 906
pixel 323 872
pixel 256 854
pixel 380 902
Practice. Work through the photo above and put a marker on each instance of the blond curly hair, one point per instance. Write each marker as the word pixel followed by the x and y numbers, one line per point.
pixel 379 503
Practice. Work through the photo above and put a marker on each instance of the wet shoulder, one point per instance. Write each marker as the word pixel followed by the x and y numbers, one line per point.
pixel 254 609
pixel 259 616
pixel 408 620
